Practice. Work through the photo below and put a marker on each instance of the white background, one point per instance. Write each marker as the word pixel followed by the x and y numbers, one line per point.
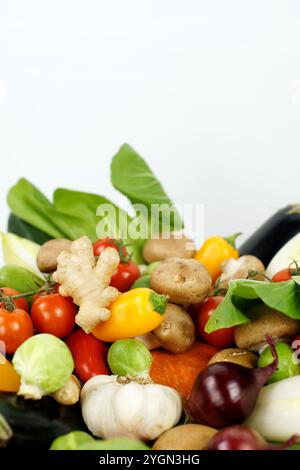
pixel 207 91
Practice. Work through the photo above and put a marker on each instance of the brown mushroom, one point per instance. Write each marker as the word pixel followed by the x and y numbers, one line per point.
pixel 49 252
pixel 240 269
pixel 171 247
pixel 177 332
pixel 185 281
pixel 242 357
pixel 264 321
pixel 185 437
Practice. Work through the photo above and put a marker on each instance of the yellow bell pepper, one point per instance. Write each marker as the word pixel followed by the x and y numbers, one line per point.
pixel 216 250
pixel 133 313
pixel 9 379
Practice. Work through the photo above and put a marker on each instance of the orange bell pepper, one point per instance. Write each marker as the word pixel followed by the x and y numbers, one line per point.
pixel 216 250
pixel 9 379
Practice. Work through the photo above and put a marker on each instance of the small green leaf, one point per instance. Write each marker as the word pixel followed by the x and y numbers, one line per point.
pixel 282 296
pixel 159 302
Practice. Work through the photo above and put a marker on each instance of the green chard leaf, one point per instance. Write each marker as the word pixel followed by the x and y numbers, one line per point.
pixel 282 296
pixel 131 175
pixel 96 221
pixel 29 204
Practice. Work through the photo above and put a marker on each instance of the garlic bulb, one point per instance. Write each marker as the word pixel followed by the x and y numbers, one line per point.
pixel 137 408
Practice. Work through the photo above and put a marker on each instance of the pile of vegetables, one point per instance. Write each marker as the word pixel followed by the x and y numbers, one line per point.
pixel 110 341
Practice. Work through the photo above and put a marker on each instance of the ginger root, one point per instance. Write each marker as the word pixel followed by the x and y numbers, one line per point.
pixel 69 394
pixel 87 282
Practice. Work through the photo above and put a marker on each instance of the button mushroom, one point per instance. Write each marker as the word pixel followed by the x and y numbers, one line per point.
pixel 264 321
pixel 49 252
pixel 176 333
pixel 185 281
pixel 165 248
pixel 242 357
pixel 240 269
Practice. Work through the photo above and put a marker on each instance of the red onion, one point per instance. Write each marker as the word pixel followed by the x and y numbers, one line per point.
pixel 225 393
pixel 244 438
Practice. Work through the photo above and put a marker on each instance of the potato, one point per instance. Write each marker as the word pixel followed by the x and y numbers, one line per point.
pixel 48 253
pixel 237 356
pixel 185 281
pixel 161 249
pixel 185 437
pixel 176 333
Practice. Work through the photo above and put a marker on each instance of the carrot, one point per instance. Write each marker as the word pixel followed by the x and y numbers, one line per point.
pixel 180 370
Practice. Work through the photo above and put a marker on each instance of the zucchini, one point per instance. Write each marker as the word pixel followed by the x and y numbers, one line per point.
pixel 273 234
pixel 35 424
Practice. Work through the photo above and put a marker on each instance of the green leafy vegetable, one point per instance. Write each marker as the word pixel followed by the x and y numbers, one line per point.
pixel 23 229
pixel 28 203
pixel 131 175
pixel 282 296
pixel 97 223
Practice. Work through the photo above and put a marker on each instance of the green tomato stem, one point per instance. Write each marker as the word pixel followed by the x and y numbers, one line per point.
pixel 159 302
pixel 232 239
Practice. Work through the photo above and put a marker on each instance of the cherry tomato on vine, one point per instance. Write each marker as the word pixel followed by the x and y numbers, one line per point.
pixel 100 245
pixel 19 303
pixel 222 338
pixel 15 328
pixel 89 355
pixel 283 275
pixel 125 276
pixel 54 314
pixel 127 272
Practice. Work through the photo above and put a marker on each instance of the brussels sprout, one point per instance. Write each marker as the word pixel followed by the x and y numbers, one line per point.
pixel 44 363
pixel 71 441
pixel 143 281
pixel 287 365
pixel 129 357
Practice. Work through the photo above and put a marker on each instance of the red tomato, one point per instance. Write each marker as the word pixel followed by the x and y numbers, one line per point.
pixel 125 276
pixel 222 338
pixel 15 328
pixel 100 245
pixel 19 303
pixel 89 355
pixel 54 314
pixel 283 275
